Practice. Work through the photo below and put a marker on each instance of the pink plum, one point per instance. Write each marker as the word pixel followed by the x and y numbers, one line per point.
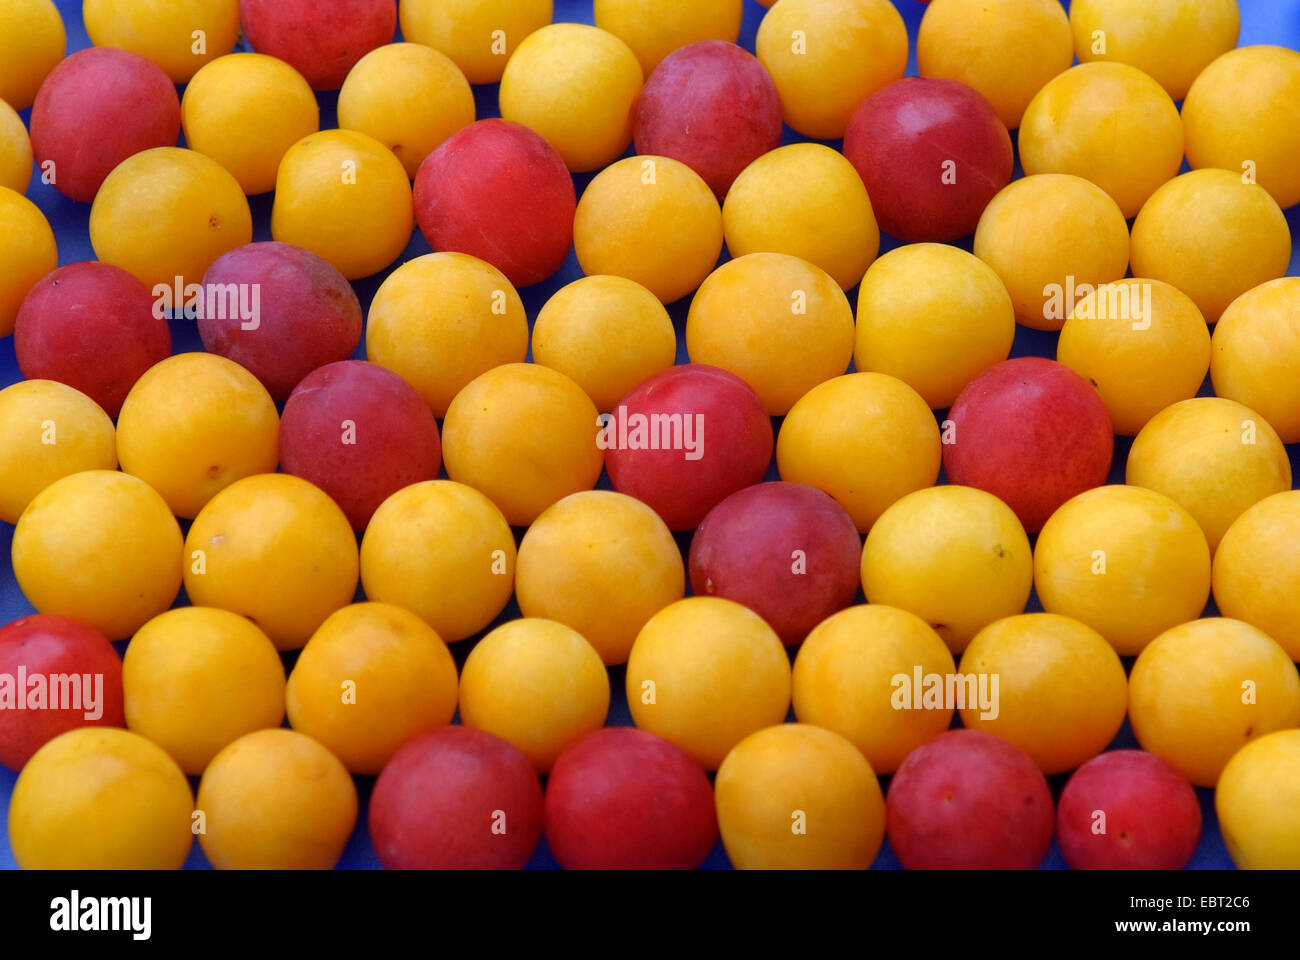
pixel 321 39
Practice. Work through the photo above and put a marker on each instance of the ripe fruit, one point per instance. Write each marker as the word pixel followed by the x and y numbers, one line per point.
pixel 652 220
pixel 166 214
pixel 440 320
pixel 169 34
pixel 712 106
pixel 1106 122
pixel 196 679
pixel 1256 360
pixel 32 45
pixel 15 151
pixel 932 154
pixel 371 677
pixel 1032 433
pixel 1211 236
pixel 27 250
pixel 607 334
pixel 1202 690
pixel 1005 49
pixel 1142 344
pixel 1126 561
pixel 96 108
pixel 61 675
pixel 360 433
pixel 525 435
pixel 100 547
pixel 955 556
pixel 92 326
pixel 795 796
pixel 785 550
pixel 320 42
pixel 33 411
pixel 807 201
pixel 577 86
pixel 407 96
pixel 621 798
pixel 276 800
pixel 1240 115
pixel 705 673
pixel 1256 800
pixel 498 191
pixel 1128 810
pixel 96 798
pixel 1212 456
pixel 272 529
pixel 1171 40
pixel 849 677
pixel 934 316
pixel 968 800
pixel 194 424
pixel 655 29
pixel 579 560
pixel 1047 236
pixel 245 111
pixel 478 35
pixel 827 56
pixel 456 798
pixel 1256 571
pixel 536 684
pixel 685 439
pixel 1060 692
pixel 345 197
pixel 457 589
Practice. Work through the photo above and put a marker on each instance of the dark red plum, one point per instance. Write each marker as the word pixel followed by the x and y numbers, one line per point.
pixel 321 39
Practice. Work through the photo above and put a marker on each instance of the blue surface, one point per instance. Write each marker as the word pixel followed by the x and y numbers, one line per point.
pixel 1263 21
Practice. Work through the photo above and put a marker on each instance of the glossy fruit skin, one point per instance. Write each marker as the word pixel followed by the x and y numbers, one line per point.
pixel 245 110
pixel 100 798
pixel 166 33
pixel 360 433
pixel 436 802
pixel 33 411
pixel 464 29
pixel 1152 820
pixel 1255 359
pixel 49 646
pixel 33 45
pixel 955 556
pixel 1255 569
pixel 1201 691
pixel 29 251
pixel 682 491
pixel 276 800
pixel 786 550
pixel 92 326
pixel 932 153
pixel 712 106
pixel 398 672
pixel 497 191
pixel 196 679
pixel 705 673
pixel 621 798
pixel 1256 801
pixel 101 547
pixel 793 796
pixel 1031 432
pixel 968 800
pixel 844 680
pixel 655 29
pixel 578 557
pixel 320 42
pixel 15 151
pixel 1127 561
pixel 309 314
pixel 95 109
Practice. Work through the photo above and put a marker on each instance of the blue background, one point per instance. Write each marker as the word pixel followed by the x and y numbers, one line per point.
pixel 1263 21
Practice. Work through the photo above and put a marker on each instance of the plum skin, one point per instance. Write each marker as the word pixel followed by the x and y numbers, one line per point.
pixel 968 800
pixel 437 800
pixel 744 551
pixel 622 798
pixel 395 436
pixel 90 325
pixel 309 314
pixel 712 106
pixel 322 41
